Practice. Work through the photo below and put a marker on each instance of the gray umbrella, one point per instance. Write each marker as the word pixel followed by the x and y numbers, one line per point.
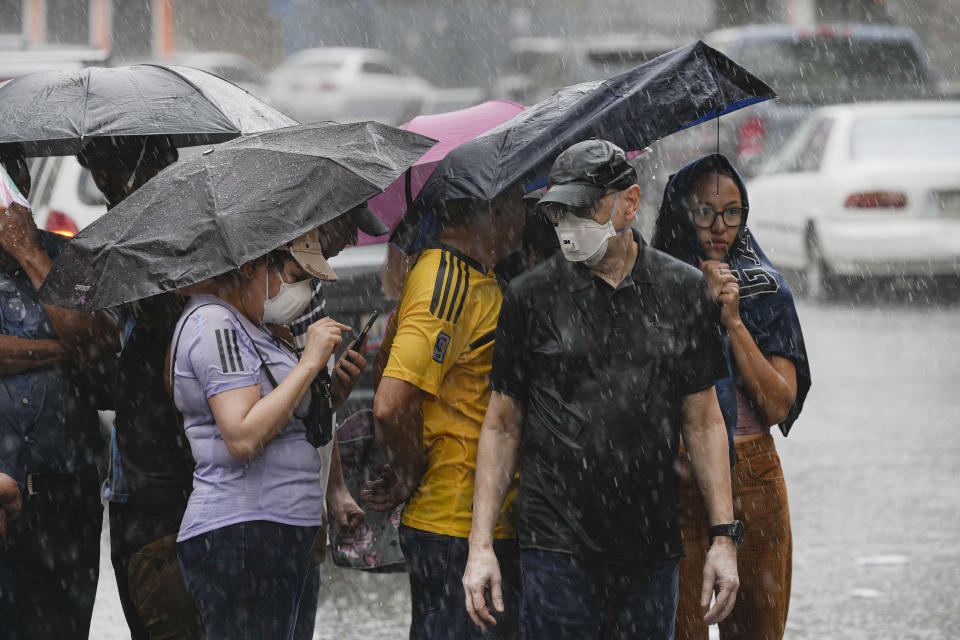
pixel 235 202
pixel 56 113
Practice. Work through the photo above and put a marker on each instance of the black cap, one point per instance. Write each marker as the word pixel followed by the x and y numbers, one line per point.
pixel 367 221
pixel 584 172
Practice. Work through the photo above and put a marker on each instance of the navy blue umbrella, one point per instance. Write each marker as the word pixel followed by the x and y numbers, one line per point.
pixel 685 87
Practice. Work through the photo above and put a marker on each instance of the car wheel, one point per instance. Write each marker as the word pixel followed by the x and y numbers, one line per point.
pixel 816 273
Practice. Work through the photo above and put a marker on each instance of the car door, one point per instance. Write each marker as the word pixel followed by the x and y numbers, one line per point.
pixel 791 194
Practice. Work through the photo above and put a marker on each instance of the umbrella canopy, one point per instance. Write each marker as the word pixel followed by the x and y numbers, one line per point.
pixel 452 129
pixel 236 201
pixel 54 113
pixel 687 86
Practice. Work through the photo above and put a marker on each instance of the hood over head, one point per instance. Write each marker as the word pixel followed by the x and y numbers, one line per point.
pixel 674 233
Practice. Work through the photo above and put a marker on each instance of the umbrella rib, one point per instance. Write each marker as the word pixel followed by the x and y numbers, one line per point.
pixel 201 92
pixel 83 111
pixel 224 236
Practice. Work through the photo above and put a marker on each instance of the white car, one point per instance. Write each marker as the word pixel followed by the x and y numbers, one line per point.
pixel 63 196
pixel 871 189
pixel 230 66
pixel 346 84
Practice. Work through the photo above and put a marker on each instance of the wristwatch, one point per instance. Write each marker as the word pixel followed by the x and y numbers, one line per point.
pixel 734 531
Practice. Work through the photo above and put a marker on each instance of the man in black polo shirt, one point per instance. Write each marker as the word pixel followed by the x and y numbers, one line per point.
pixel 605 356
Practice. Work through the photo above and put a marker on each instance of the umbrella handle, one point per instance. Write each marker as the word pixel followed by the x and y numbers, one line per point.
pixel 408 186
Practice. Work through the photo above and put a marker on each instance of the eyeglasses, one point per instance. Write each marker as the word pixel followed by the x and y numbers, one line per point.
pixel 704 217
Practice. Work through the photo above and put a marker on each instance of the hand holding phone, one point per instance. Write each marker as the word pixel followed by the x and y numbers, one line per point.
pixel 356 344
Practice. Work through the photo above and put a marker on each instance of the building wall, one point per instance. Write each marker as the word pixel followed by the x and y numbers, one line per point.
pixel 247 27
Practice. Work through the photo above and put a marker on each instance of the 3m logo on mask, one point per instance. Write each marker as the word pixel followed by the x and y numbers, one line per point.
pixel 440 347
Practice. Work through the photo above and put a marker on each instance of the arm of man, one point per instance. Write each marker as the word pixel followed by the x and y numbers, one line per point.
pixel 85 335
pixel 705 438
pixel 18 355
pixel 496 466
pixel 398 421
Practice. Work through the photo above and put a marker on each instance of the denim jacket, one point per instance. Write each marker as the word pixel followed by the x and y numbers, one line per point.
pixel 42 410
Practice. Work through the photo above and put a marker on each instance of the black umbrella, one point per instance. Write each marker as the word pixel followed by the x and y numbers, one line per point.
pixel 54 113
pixel 679 89
pixel 236 201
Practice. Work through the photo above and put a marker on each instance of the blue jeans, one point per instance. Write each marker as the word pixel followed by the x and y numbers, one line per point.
pixel 436 563
pixel 247 578
pixel 565 596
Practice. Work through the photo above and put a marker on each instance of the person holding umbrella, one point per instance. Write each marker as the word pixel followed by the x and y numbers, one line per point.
pixel 703 221
pixel 604 356
pixel 49 437
pixel 213 219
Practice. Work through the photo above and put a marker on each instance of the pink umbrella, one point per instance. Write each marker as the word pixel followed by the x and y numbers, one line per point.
pixel 451 129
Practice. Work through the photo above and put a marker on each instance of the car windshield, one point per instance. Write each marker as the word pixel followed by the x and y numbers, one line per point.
pixel 530 62
pixel 825 70
pixel 905 138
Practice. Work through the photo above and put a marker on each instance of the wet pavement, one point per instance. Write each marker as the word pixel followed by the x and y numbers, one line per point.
pixel 873 475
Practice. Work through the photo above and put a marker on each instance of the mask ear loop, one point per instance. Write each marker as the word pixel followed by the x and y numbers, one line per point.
pixel 613 209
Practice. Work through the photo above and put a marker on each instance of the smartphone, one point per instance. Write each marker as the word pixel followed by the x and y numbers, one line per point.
pixel 355 345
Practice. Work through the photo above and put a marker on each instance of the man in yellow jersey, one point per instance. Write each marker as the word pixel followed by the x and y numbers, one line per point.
pixel 429 407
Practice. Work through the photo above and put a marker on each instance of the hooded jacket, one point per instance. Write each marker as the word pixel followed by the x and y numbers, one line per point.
pixel 766 303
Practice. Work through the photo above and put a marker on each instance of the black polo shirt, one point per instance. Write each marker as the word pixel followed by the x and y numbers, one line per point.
pixel 602 372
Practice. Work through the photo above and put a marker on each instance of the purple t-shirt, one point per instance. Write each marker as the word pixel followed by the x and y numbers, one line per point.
pixel 283 482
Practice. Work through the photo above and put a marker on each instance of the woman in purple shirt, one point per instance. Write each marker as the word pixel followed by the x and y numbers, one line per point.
pixel 250 413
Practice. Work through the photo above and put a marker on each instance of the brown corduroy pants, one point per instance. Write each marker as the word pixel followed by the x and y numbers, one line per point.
pixel 764 562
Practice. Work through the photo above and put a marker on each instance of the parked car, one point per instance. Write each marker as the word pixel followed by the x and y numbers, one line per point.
pixel 230 66
pixel 811 67
pixel 63 196
pixel 18 58
pixel 864 190
pixel 535 67
pixel 346 84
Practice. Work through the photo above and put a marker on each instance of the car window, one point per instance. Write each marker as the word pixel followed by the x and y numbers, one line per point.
pixel 87 190
pixel 836 69
pixel 50 169
pixel 323 66
pixel 378 68
pixel 613 62
pixel 235 74
pixel 905 138
pixel 803 153
pixel 38 177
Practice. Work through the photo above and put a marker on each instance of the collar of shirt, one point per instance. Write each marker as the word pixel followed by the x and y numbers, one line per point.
pixel 579 276
pixel 473 262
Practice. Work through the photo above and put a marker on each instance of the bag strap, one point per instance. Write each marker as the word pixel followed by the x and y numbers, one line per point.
pixel 319 386
pixel 176 342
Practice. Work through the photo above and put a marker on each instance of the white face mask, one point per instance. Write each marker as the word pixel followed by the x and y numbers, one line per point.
pixel 289 303
pixel 585 240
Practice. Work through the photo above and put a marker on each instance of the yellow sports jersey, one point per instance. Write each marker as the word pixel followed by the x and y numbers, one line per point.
pixel 441 340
